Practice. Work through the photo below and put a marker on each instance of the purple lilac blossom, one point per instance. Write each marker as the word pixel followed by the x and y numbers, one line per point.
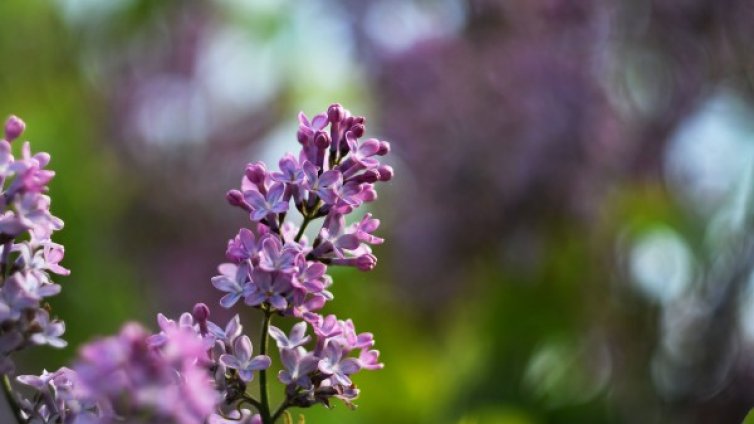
pixel 242 361
pixel 194 371
pixel 284 274
pixel 126 376
pixel 27 255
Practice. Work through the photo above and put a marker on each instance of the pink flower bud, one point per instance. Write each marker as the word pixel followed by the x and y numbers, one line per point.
pixel 386 172
pixel 384 148
pixel 201 312
pixel 335 113
pixel 14 127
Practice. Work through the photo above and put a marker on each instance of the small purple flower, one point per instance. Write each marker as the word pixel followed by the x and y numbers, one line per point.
pixel 242 247
pixel 310 275
pixel 310 128
pixel 185 321
pixel 267 287
pixel 40 383
pixel 49 331
pixel 33 212
pixel 232 280
pixel 353 340
pixel 325 186
pixel 290 171
pixel 263 205
pixel 297 338
pixel 363 230
pixel 30 177
pixel 276 257
pixel 360 155
pixel 370 360
pixel 27 285
pixel 298 365
pixel 326 327
pixel 241 360
pixel 305 307
pixel 39 261
pixel 228 335
pixel 336 365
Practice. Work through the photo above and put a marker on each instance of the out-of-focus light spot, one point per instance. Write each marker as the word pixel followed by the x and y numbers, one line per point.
pixel 320 51
pixel 661 264
pixel 238 72
pixel 396 25
pixel 80 12
pixel 170 110
pixel 680 366
pixel 730 220
pixel 746 311
pixel 564 372
pixel 647 82
pixel 279 141
pixel 711 151
pixel 254 7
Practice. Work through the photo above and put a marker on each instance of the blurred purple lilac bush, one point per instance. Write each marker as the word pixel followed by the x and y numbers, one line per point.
pixel 195 371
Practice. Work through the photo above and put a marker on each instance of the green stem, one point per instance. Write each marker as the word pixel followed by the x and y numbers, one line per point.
pixel 264 402
pixel 8 392
pixel 300 233
pixel 251 401
pixel 283 406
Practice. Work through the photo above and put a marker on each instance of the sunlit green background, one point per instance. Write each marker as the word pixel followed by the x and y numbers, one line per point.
pixel 573 248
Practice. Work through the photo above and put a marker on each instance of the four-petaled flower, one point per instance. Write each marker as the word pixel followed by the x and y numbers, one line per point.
pixel 335 364
pixel 325 186
pixel 267 287
pixel 298 365
pixel 242 361
pixel 262 205
pixel 232 280
pixel 297 338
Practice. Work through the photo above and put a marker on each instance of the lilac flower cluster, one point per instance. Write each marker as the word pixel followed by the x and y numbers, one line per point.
pixel 125 376
pixel 333 174
pixel 27 255
pixel 195 371
pixel 273 266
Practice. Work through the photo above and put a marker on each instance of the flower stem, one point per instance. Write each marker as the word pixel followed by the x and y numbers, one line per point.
pixel 283 406
pixel 264 402
pixel 11 399
pixel 300 233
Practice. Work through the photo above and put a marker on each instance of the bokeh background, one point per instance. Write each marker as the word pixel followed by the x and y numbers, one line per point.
pixel 569 233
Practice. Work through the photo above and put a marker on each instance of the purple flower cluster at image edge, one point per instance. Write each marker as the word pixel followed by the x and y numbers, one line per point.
pixel 28 256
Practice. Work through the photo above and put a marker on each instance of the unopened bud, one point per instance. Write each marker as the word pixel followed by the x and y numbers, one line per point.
pixel 384 148
pixel 335 113
pixel 235 198
pixel 200 312
pixel 357 130
pixel 256 172
pixel 322 140
pixel 386 172
pixel 14 127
